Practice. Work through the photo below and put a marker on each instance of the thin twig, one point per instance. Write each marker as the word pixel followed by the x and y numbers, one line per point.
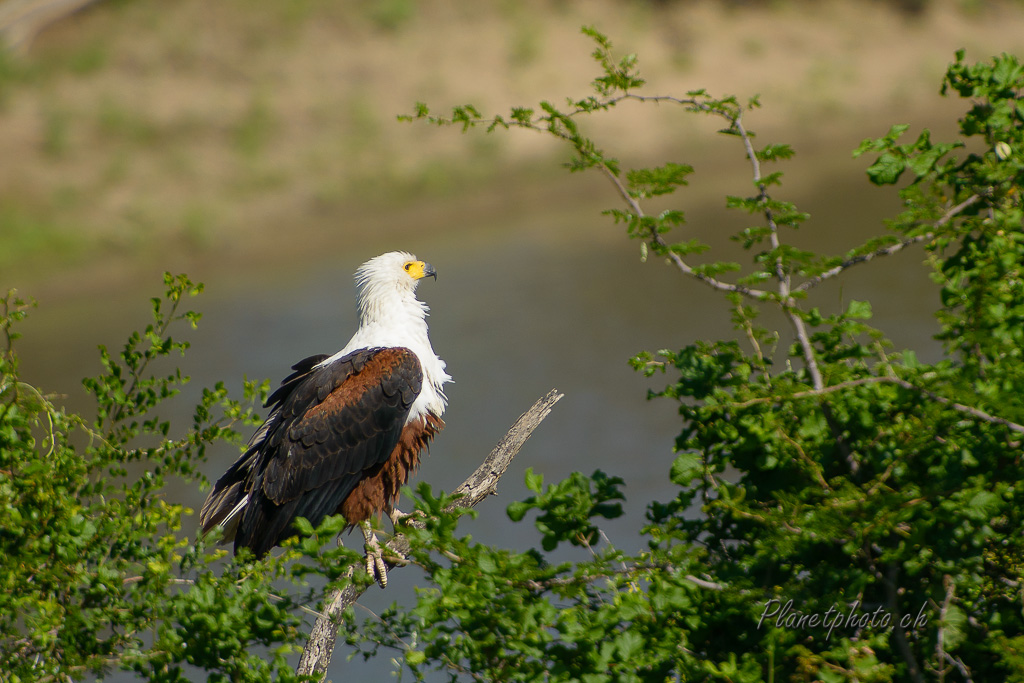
pixel 786 300
pixel 959 407
pixel 762 198
pixel 940 638
pixel 629 572
pixel 813 392
pixel 813 466
pixel 889 580
pixel 656 238
pixel 136 373
pixel 537 124
pixel 805 347
pixel 891 249
pixel 748 328
pixel 959 664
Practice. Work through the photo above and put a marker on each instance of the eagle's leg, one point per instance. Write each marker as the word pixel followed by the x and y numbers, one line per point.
pixel 375 566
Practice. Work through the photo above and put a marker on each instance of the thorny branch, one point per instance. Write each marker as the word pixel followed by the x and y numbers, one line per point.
pixel 316 656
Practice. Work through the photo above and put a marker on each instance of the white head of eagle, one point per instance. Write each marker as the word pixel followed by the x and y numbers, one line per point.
pixel 346 431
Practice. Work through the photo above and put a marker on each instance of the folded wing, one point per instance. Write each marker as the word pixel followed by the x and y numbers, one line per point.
pixel 331 427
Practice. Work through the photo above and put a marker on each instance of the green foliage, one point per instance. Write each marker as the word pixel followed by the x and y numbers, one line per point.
pixel 568 506
pixel 96 572
pixel 844 511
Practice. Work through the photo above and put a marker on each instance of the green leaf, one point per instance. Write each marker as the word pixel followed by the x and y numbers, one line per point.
pixel 534 480
pixel 860 310
pixel 303 526
pixel 954 627
pixel 685 468
pixel 517 510
pixel 887 169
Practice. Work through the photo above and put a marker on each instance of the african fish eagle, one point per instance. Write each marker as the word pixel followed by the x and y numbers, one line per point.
pixel 344 431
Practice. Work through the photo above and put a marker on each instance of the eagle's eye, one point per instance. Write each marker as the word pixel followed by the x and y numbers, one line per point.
pixel 408 265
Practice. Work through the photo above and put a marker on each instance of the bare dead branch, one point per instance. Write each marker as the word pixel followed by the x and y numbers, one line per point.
pixel 484 481
pixel 316 656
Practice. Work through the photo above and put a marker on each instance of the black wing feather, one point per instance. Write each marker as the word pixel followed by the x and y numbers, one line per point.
pixel 301 370
pixel 315 447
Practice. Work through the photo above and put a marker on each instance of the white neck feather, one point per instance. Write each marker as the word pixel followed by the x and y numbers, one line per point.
pixel 391 315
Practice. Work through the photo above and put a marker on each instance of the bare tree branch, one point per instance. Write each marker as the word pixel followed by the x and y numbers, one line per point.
pixel 316 656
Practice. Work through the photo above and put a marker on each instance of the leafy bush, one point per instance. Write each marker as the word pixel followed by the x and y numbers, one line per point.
pixel 94 572
pixel 859 511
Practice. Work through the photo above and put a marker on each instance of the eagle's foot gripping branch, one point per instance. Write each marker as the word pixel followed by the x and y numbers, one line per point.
pixel 398 517
pixel 375 566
